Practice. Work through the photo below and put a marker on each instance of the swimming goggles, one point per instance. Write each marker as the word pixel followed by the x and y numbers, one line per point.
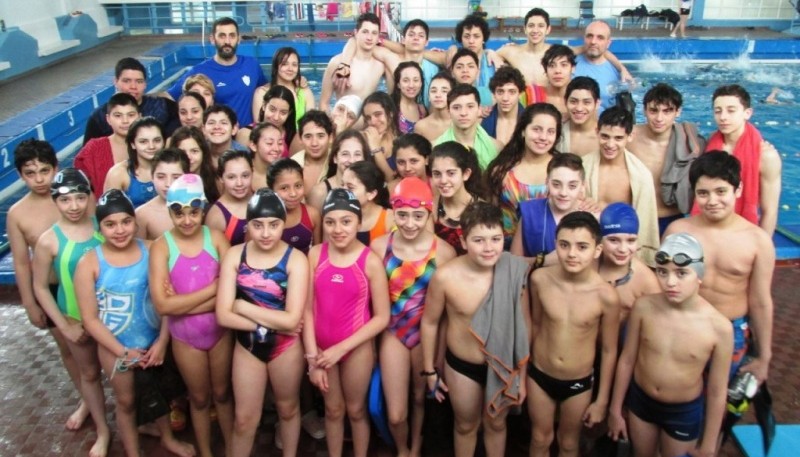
pixel 76 189
pixel 680 259
pixel 400 202
pixel 121 365
pixel 195 203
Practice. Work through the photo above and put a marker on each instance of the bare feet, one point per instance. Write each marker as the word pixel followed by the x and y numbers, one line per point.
pixel 150 429
pixel 100 447
pixel 77 418
pixel 178 447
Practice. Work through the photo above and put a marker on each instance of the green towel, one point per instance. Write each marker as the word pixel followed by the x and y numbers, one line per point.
pixel 484 145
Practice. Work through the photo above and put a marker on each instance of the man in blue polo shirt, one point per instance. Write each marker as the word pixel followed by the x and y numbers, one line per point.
pixel 235 77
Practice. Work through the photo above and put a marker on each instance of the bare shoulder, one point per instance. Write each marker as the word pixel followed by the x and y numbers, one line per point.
pixel 608 295
pixel 680 225
pixel 313 255
pixel 770 157
pixel 378 245
pixel 444 252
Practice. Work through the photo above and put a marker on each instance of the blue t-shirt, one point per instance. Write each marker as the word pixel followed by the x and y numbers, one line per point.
pixel 604 73
pixel 429 70
pixel 235 84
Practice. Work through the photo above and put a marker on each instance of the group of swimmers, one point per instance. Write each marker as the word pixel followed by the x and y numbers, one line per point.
pixel 398 231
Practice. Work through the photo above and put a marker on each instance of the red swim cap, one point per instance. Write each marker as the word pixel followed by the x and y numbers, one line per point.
pixel 412 192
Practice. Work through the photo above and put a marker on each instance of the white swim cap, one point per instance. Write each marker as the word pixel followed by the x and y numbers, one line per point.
pixel 352 103
pixel 683 250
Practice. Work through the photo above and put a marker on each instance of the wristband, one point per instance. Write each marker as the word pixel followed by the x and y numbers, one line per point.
pixel 426 374
pixel 372 152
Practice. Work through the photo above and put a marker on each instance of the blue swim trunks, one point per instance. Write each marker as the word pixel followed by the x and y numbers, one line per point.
pixel 741 343
pixel 681 421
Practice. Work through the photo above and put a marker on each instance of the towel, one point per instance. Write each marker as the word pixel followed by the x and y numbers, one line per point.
pixel 748 151
pixel 499 325
pixel 564 144
pixel 643 195
pixel 484 145
pixel 685 145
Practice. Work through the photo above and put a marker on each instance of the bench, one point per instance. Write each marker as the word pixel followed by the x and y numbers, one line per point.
pixel 45 31
pixel 5 65
pixel 104 28
pixel 642 22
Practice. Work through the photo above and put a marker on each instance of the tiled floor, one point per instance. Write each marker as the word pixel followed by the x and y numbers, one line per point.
pixel 36 396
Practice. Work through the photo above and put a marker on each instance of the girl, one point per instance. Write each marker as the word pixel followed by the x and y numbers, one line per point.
pixel 59 249
pixel 407 95
pixel 302 229
pixel 366 182
pixel 266 142
pixel 412 151
pixel 438 121
pixel 340 324
pixel 456 175
pixel 380 115
pixel 262 292
pixel 286 73
pixel 192 141
pixel 520 170
pixel 134 176
pixel 228 213
pixel 279 109
pixel 201 84
pixel 410 256
pixel 113 292
pixel 187 259
pixel 152 218
pixel 348 148
pixel 191 106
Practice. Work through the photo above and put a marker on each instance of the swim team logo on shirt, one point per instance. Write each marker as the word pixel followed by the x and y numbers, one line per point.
pixel 246 80
pixel 115 310
pixel 337 278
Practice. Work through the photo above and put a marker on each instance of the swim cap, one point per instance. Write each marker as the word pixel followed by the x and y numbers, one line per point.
pixel 112 202
pixel 351 102
pixel 412 192
pixel 618 218
pixel 70 181
pixel 683 250
pixel 187 190
pixel 265 203
pixel 341 199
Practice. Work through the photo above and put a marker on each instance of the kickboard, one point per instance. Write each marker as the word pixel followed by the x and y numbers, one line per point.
pixel 786 443
pixel 377 407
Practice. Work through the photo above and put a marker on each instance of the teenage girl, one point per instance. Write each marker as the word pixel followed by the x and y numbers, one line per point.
pixel 380 115
pixel 201 84
pixel 228 213
pixel 134 176
pixel 456 175
pixel 412 152
pixel 519 173
pixel 279 109
pixel 348 148
pixel 303 228
pixel 262 292
pixel 187 258
pixel 366 182
pixel 410 256
pixel 438 121
pixel 113 292
pixel 407 95
pixel 59 249
pixel 191 106
pixel 286 72
pixel 266 142
pixel 339 323
pixel 192 141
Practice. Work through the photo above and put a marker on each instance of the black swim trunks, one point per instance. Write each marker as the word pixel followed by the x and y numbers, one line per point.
pixel 478 372
pixel 686 11
pixel 557 389
pixel 681 421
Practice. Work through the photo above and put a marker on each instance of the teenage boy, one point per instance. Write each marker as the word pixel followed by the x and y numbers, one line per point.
pixel 220 125
pixel 615 175
pixel 506 85
pixel 536 236
pixel 364 70
pixel 579 132
pixel 675 361
pixel 464 105
pixel 316 132
pixel 473 33
pixel 27 219
pixel 619 266
pixel 98 155
pixel 464 66
pixel 130 78
pixel 666 148
pixel 559 64
pixel 739 258
pixel 571 308
pixel 760 162
pixel 438 119
pixel 486 334
pixel 236 77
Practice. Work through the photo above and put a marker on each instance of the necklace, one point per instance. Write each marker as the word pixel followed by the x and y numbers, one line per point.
pixel 623 280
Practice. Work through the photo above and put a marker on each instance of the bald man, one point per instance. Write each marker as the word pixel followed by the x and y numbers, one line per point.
pixel 593 62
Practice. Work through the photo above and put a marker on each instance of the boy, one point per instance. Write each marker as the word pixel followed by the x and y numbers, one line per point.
pixel 438 119
pixel 615 175
pixel 152 218
pixel 506 85
pixel 740 258
pixel 571 307
pixel 536 236
pixel 486 333
pixel 464 66
pixel 316 132
pixel 220 125
pixel 473 33
pixel 463 103
pixel 579 134
pixel 675 338
pixel 760 162
pixel 27 219
pixel 364 70
pixel 664 146
pixel 559 64
pixel 98 155
pixel 619 266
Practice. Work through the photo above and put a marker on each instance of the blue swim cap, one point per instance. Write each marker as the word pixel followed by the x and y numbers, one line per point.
pixel 619 218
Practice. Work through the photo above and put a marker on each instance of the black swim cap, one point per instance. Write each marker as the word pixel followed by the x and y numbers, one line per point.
pixel 341 199
pixel 112 202
pixel 70 181
pixel 265 203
